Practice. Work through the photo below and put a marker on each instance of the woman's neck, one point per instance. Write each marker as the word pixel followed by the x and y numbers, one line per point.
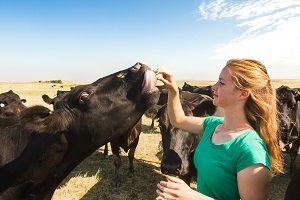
pixel 235 120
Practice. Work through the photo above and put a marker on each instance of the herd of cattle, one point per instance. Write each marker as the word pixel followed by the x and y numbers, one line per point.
pixel 40 147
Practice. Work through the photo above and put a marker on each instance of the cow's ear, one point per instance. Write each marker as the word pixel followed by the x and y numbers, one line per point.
pixel 294 92
pixel 47 99
pixel 23 100
pixel 297 96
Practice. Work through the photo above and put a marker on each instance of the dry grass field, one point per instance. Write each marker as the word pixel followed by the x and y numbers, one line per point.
pixel 92 179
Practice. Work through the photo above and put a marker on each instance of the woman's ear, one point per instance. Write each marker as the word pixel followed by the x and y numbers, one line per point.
pixel 245 94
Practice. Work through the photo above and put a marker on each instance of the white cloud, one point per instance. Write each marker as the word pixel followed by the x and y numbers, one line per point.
pixel 272 30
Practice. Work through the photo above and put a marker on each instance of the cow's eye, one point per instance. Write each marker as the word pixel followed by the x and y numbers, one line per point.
pixel 2 105
pixel 84 96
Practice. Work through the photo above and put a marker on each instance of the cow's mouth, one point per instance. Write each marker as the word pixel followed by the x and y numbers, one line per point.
pixel 149 82
pixel 174 172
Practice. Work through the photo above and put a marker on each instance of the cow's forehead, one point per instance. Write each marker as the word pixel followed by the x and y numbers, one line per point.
pixel 121 74
pixel 9 97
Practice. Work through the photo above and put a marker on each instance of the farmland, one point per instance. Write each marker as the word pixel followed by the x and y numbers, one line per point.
pixel 92 179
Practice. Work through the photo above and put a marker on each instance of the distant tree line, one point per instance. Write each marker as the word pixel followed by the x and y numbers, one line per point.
pixel 51 81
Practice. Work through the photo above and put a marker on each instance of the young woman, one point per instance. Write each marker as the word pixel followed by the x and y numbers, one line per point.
pixel 236 154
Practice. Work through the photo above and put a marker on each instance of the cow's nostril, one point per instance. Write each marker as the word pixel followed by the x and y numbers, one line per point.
pixel 171 163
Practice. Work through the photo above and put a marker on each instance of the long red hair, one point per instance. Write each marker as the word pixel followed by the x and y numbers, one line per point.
pixel 260 108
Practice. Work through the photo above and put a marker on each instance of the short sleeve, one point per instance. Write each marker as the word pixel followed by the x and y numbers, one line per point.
pixel 252 152
pixel 209 126
pixel 211 121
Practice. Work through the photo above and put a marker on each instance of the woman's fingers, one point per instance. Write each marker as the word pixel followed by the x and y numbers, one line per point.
pixel 159 198
pixel 160 77
pixel 165 73
pixel 174 179
pixel 167 78
pixel 165 195
pixel 170 185
pixel 168 188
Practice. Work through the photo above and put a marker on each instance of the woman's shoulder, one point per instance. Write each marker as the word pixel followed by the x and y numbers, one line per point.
pixel 213 120
pixel 251 149
pixel 252 137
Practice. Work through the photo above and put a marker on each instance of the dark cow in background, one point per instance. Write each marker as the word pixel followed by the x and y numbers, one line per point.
pixel 10 107
pixel 179 145
pixel 128 142
pixel 56 142
pixel 206 90
pixel 11 104
pixel 293 191
pixel 163 99
pixel 186 95
pixel 288 103
pixel 56 101
pixel 202 104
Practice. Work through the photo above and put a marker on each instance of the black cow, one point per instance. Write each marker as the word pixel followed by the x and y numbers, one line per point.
pixel 206 90
pixel 293 192
pixel 10 107
pixel 163 98
pixel 12 137
pixel 11 104
pixel 179 145
pixel 196 98
pixel 202 104
pixel 56 101
pixel 57 141
pixel 289 121
pixel 128 142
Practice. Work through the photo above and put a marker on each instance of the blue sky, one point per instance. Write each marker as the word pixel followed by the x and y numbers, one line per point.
pixel 83 40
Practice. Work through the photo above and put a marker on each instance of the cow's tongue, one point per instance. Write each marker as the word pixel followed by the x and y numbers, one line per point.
pixel 149 81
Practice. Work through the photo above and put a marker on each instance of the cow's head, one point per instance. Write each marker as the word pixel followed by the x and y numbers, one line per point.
pixel 188 87
pixel 11 104
pixel 56 101
pixel 286 95
pixel 287 104
pixel 286 124
pixel 105 109
pixel 178 145
pixel 202 105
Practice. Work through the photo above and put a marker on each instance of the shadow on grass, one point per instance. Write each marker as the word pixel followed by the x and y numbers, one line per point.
pixel 148 130
pixel 143 184
pixel 140 186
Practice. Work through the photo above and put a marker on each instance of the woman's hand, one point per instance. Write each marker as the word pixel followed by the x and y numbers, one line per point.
pixel 174 189
pixel 167 78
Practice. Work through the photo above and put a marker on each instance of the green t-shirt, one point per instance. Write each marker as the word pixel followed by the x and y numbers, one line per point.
pixel 218 164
